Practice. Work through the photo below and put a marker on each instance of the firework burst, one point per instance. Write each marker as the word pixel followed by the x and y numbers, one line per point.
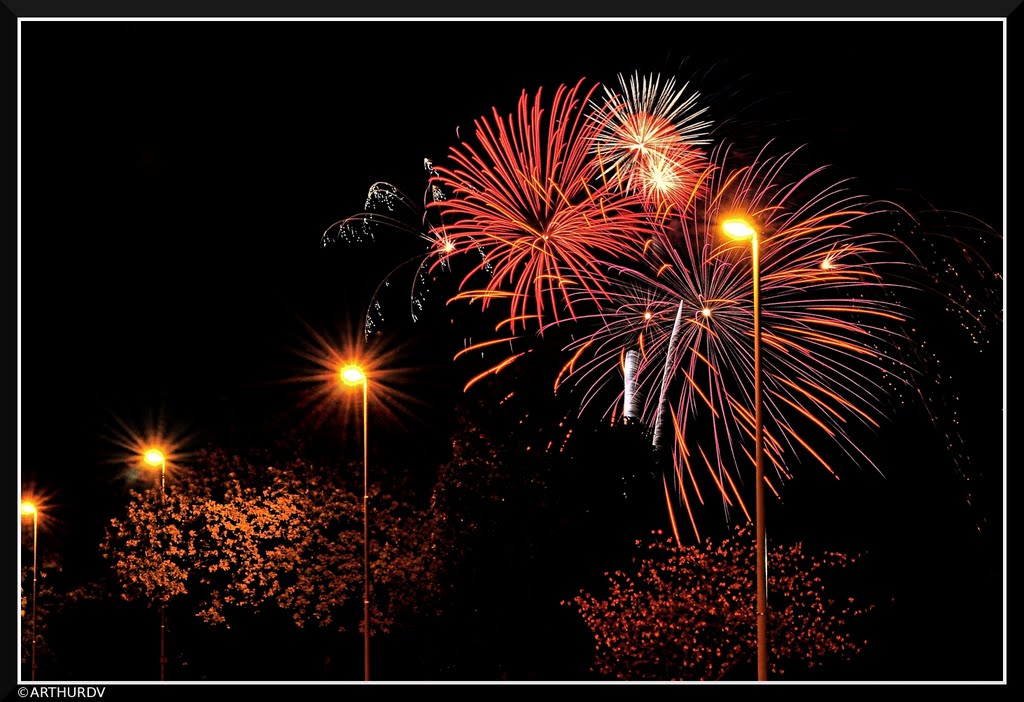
pixel 528 195
pixel 830 321
pixel 647 139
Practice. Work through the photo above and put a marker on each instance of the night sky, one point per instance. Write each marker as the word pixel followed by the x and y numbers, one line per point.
pixel 177 178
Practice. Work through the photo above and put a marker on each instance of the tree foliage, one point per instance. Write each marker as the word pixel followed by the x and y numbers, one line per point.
pixel 39 613
pixel 688 613
pixel 234 533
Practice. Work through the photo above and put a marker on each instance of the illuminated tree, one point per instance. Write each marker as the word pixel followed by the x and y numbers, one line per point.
pixel 234 534
pixel 687 613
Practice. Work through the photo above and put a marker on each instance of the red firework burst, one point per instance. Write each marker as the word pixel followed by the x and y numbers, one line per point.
pixel 529 197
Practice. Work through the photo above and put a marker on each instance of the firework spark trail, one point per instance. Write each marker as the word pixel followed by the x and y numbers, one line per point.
pixel 960 283
pixel 528 195
pixel 667 373
pixel 830 321
pixel 388 209
pixel 629 373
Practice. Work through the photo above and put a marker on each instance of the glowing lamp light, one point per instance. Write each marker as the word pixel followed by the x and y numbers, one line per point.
pixel 153 457
pixel 352 375
pixel 738 228
pixel 28 508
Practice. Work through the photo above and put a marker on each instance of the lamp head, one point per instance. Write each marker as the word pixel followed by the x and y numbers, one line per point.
pixel 738 228
pixel 352 375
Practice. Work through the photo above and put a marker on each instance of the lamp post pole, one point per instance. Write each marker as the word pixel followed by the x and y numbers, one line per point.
pixel 156 457
pixel 366 548
pixel 762 561
pixel 30 508
pixel 740 228
pixel 354 375
pixel 35 571
pixel 163 606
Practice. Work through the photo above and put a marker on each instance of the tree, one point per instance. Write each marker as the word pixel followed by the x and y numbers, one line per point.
pixel 687 613
pixel 521 507
pixel 490 513
pixel 235 534
pixel 41 612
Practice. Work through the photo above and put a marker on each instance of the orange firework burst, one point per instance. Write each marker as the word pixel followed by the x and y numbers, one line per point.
pixel 830 326
pixel 529 197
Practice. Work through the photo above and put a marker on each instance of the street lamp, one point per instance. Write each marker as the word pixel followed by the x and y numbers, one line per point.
pixel 354 375
pixel 155 457
pixel 742 229
pixel 26 509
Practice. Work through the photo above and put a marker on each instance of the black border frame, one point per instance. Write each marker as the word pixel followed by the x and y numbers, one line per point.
pixel 12 11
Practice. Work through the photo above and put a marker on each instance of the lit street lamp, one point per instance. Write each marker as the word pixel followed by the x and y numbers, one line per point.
pixel 26 509
pixel 742 229
pixel 354 375
pixel 155 457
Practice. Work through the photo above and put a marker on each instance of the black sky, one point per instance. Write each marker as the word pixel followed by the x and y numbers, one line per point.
pixel 177 176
